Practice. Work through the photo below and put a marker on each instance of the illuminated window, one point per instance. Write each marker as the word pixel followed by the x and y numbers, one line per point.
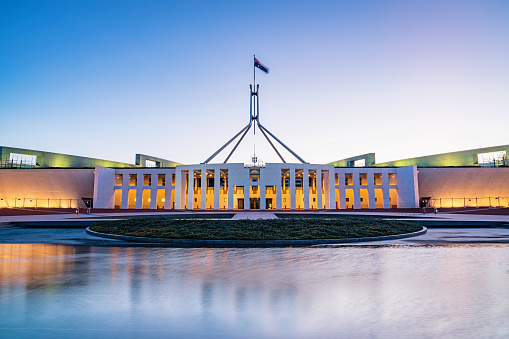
pixel 133 179
pixel 487 158
pixel 359 163
pixel 23 159
pixel 392 179
pixel 150 163
pixel 348 179
pixel 161 180
pixel 119 178
pixel 147 179
pixel 363 178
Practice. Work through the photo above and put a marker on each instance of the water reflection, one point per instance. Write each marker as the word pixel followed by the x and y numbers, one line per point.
pixel 34 265
pixel 361 291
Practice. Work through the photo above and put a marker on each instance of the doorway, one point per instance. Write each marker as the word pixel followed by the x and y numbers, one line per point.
pixel 268 203
pixel 254 203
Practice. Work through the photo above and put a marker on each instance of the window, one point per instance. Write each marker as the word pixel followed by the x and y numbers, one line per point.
pixel 487 158
pixel 299 175
pixel 117 200
pixel 161 180
pixel 147 179
pixel 348 179
pixel 145 202
pixel 392 179
pixel 133 179
pixel 285 177
pixel 378 178
pixel 359 163
pixel 25 159
pixel 150 163
pixel 298 182
pixel 160 198
pixel 119 178
pixel 363 178
pixel 254 174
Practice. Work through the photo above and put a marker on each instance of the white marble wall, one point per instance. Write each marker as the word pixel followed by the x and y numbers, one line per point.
pixel 406 178
pixel 104 186
pixel 270 175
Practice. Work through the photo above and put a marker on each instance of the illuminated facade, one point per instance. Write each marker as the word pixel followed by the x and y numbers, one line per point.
pixel 474 178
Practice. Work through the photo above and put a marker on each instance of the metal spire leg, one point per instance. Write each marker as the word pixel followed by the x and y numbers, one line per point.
pixel 270 142
pixel 281 143
pixel 234 148
pixel 225 145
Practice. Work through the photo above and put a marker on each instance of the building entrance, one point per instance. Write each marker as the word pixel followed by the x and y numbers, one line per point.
pixel 254 203
pixel 240 203
pixel 268 203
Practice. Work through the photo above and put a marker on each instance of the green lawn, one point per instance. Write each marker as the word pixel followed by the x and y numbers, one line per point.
pixel 272 229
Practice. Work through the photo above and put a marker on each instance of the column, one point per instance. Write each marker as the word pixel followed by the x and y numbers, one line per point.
pixel 327 188
pixel 293 204
pixel 385 186
pixel 305 185
pixel 263 200
pixel 371 190
pixel 203 188
pixel 139 191
pixel 319 203
pixel 190 189
pixel 125 190
pixel 341 186
pixel 153 191
pixel 178 190
pixel 217 183
pixel 230 190
pixel 167 194
pixel 279 199
pixel 246 194
pixel 356 190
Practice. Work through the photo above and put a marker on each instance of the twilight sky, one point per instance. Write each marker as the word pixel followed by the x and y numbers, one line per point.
pixel 109 79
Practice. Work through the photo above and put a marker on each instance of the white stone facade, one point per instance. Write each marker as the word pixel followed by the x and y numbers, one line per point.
pixel 274 186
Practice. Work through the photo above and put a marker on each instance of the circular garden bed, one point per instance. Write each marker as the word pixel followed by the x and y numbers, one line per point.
pixel 256 230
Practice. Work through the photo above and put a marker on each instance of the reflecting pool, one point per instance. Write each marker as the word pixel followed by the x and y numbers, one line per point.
pixel 395 291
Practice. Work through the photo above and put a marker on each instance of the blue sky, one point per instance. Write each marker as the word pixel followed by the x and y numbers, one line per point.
pixel 109 79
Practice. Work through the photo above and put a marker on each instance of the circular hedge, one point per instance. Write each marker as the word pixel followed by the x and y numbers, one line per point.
pixel 266 229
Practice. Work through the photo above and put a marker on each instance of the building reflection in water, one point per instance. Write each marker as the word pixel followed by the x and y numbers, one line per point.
pixel 282 291
pixel 34 265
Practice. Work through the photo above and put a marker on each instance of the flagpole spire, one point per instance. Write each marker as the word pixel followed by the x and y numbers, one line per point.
pixel 254 72
pixel 254 119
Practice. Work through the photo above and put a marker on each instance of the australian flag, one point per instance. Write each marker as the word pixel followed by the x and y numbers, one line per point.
pixel 260 66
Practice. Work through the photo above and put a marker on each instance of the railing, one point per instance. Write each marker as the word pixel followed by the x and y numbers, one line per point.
pixel 41 203
pixel 470 202
pixel 12 164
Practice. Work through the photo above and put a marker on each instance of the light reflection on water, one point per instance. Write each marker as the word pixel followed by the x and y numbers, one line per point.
pixel 357 291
